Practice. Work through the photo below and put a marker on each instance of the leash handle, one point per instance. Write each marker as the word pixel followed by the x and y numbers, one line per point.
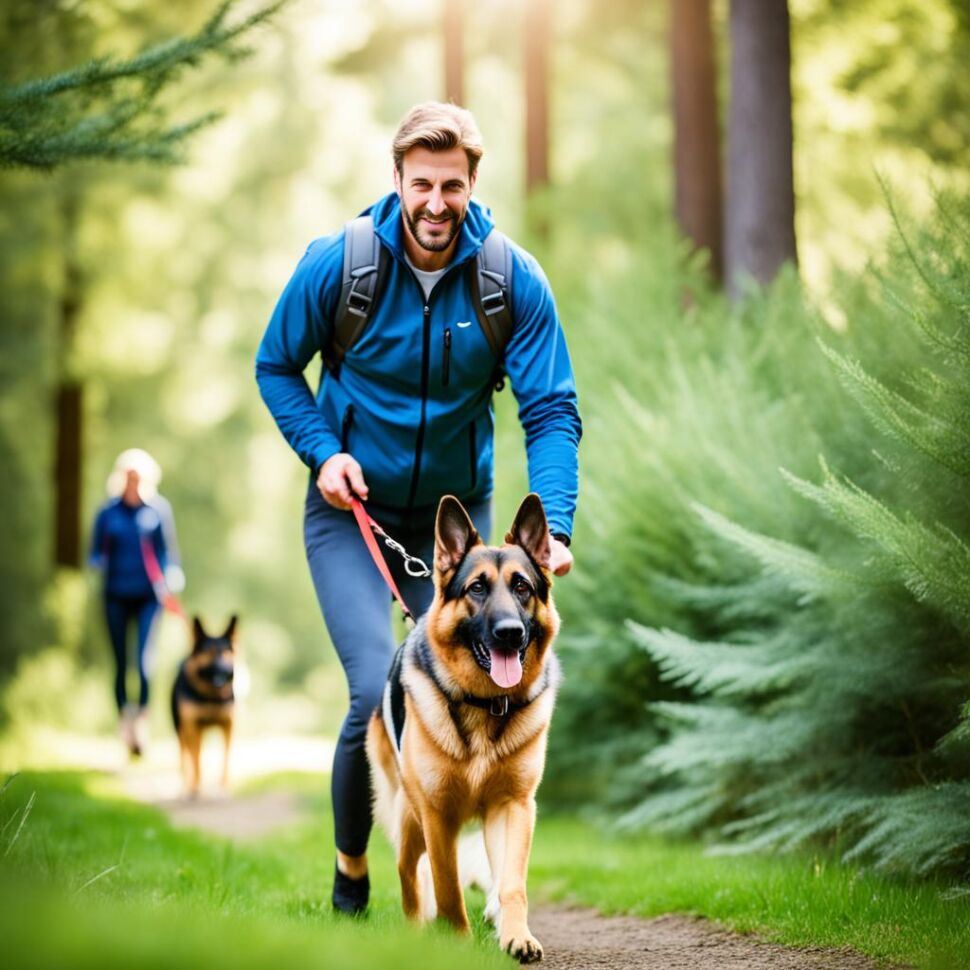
pixel 367 528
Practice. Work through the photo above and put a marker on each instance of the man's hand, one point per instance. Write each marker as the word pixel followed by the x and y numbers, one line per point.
pixel 560 558
pixel 340 475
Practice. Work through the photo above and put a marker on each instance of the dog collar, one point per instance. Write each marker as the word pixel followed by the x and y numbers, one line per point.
pixel 496 706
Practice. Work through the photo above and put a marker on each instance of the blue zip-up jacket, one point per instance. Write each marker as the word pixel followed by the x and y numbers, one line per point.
pixel 412 403
pixel 116 544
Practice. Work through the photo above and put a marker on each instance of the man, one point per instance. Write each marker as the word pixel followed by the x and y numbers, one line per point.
pixel 407 418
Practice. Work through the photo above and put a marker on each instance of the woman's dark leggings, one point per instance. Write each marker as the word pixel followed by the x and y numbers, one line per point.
pixel 356 608
pixel 120 611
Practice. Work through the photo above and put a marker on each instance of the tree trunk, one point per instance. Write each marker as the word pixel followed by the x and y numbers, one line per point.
pixel 697 152
pixel 453 17
pixel 68 404
pixel 760 222
pixel 536 52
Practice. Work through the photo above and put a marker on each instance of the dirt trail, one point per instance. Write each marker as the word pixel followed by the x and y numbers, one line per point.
pixel 573 938
pixel 580 939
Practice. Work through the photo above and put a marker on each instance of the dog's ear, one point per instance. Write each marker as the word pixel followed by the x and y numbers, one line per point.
pixel 198 631
pixel 530 530
pixel 454 534
pixel 231 629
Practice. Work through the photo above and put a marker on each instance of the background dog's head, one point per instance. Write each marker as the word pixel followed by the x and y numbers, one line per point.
pixel 493 617
pixel 211 666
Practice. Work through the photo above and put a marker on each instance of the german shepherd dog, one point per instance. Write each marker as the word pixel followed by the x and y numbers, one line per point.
pixel 462 730
pixel 202 696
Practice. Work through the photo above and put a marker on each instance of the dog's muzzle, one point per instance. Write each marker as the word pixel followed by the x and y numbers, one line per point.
pixel 218 674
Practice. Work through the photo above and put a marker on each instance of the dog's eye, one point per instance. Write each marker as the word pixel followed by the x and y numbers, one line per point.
pixel 477 587
pixel 521 588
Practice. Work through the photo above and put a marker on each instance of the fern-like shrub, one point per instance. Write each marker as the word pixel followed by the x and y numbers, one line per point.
pixel 775 542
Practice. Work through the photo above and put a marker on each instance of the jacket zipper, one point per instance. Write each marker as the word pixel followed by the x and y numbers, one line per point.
pixel 473 453
pixel 446 358
pixel 345 428
pixel 419 446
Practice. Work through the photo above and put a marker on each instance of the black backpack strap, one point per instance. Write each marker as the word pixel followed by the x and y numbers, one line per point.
pixel 489 278
pixel 366 264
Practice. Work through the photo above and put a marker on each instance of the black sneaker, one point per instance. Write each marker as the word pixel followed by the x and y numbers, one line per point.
pixel 350 896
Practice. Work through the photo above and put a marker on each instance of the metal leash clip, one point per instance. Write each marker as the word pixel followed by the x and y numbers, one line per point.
pixel 418 571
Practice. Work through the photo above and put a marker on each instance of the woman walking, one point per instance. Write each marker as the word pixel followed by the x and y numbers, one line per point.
pixel 134 541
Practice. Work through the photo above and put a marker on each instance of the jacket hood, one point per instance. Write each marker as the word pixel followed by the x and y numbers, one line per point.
pixel 389 226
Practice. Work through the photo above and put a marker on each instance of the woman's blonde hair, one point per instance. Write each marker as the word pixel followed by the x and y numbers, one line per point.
pixel 149 473
pixel 438 127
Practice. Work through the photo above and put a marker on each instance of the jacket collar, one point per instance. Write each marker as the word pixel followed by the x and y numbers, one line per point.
pixel 389 226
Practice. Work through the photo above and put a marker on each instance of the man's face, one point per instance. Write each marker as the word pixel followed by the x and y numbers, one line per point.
pixel 434 188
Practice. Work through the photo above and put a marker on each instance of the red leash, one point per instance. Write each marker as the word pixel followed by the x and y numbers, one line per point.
pixel 156 577
pixel 368 527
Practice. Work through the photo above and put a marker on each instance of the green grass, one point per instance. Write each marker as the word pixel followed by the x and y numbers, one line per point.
pixel 90 878
pixel 798 899
pixel 94 879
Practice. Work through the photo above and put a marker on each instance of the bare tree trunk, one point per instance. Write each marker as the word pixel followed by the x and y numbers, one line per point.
pixel 760 222
pixel 453 16
pixel 68 404
pixel 697 151
pixel 536 52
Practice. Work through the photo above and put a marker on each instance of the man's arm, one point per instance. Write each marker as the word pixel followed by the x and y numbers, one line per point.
pixel 538 366
pixel 300 327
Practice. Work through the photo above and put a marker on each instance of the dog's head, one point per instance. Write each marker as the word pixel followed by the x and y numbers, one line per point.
pixel 493 619
pixel 211 666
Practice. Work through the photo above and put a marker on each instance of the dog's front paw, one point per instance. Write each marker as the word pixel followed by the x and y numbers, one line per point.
pixel 525 948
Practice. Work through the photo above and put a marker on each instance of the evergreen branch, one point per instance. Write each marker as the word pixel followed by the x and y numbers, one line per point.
pixel 723 669
pixel 934 566
pixel 160 60
pixel 86 140
pixel 47 121
pixel 950 344
pixel 921 271
pixel 805 570
pixel 925 829
pixel 900 418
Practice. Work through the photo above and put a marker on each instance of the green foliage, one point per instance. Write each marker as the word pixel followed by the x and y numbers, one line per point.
pixel 816 630
pixel 111 108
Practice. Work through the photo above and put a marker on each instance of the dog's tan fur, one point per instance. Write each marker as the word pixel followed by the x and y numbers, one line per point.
pixel 460 762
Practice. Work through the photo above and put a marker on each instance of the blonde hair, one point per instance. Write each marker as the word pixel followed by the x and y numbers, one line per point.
pixel 438 126
pixel 149 473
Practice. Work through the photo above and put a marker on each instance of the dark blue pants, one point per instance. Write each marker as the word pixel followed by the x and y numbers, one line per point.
pixel 120 611
pixel 356 605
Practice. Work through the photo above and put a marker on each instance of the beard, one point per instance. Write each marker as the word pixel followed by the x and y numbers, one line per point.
pixel 433 244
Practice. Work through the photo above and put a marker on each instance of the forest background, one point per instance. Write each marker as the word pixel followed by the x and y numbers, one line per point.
pixel 738 606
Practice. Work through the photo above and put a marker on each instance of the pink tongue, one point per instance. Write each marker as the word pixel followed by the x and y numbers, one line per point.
pixel 506 668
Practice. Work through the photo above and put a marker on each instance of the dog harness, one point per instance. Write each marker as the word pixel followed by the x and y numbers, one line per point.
pixel 392 708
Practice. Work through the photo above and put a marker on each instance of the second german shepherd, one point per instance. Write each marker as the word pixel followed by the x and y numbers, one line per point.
pixel 466 712
pixel 203 696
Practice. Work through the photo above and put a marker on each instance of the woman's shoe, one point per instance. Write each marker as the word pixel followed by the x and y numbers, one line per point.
pixel 126 727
